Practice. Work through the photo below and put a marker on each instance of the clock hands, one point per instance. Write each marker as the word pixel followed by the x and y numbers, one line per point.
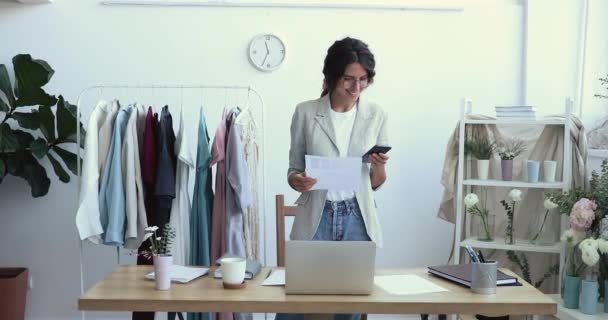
pixel 267 53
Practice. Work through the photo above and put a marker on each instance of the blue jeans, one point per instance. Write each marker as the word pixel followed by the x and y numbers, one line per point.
pixel 340 221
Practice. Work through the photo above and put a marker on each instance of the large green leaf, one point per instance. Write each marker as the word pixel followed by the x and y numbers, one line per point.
pixel 68 158
pixel 24 139
pixel 47 122
pixel 59 171
pixel 36 176
pixel 3 106
pixel 14 166
pixel 30 76
pixel 8 141
pixel 39 148
pixel 28 120
pixel 66 119
pixel 5 86
pixel 23 164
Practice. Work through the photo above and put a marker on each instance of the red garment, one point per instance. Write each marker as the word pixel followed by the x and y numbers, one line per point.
pixel 148 173
pixel 218 230
pixel 218 152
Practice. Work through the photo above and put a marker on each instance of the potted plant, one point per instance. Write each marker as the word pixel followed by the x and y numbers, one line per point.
pixel 514 196
pixel 508 149
pixel 36 128
pixel 572 280
pixel 588 212
pixel 482 150
pixel 591 251
pixel 160 251
pixel 485 220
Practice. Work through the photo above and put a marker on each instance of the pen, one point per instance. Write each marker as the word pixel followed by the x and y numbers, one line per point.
pixel 472 254
pixel 481 258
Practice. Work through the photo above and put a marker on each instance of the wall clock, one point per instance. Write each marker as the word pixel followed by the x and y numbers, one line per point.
pixel 266 52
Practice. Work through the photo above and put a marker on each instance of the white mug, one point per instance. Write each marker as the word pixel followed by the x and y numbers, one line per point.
pixel 233 270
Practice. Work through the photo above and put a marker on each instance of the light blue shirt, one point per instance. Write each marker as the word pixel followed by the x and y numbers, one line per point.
pixel 112 191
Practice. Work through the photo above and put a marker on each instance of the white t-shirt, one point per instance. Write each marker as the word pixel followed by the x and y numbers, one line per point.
pixel 343 125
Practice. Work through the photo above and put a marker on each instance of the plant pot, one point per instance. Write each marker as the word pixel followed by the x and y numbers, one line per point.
pixel 13 285
pixel 549 170
pixel 533 167
pixel 571 291
pixel 485 227
pixel 483 168
pixel 589 296
pixel 506 167
pixel 162 272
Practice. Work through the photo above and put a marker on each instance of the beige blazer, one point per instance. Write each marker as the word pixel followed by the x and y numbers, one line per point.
pixel 312 133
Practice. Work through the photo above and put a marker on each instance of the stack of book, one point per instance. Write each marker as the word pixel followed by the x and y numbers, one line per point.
pixel 515 112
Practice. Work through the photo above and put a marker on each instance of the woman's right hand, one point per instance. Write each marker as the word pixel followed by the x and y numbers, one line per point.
pixel 300 182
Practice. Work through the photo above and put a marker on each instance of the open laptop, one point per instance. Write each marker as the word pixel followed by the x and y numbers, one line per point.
pixel 329 267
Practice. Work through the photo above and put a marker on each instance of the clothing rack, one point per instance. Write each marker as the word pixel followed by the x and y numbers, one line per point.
pixel 225 88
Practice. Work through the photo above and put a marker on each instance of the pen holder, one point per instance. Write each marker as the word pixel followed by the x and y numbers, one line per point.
pixel 483 277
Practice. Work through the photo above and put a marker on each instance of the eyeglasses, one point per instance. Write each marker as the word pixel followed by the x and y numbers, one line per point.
pixel 350 82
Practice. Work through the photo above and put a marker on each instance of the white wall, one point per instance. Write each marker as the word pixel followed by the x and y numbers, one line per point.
pixel 426 61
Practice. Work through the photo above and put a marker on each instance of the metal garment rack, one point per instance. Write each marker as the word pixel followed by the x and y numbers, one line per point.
pixel 419 6
pixel 225 88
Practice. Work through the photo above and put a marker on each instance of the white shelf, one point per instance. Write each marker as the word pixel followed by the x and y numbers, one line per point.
pixel 520 245
pixel 514 184
pixel 516 121
pixel 598 153
pixel 576 314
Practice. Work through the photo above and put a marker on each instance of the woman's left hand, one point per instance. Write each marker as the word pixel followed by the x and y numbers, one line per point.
pixel 378 159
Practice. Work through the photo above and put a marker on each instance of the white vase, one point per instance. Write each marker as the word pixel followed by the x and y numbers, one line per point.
pixel 549 168
pixel 483 168
pixel 162 272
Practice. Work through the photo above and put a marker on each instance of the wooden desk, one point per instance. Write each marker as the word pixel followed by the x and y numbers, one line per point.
pixel 125 289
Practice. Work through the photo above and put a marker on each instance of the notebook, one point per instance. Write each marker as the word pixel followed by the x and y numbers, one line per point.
pixel 461 273
pixel 182 274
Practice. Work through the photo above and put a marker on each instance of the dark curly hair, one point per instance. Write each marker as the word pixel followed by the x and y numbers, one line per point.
pixel 341 54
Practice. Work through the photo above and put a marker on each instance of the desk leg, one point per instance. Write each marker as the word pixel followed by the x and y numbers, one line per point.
pixel 319 316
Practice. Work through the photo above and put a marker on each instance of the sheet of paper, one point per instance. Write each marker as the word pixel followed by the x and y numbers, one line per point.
pixel 276 278
pixel 182 274
pixel 406 284
pixel 339 174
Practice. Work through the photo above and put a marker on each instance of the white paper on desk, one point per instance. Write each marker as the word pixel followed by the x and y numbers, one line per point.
pixel 406 284
pixel 338 174
pixel 182 274
pixel 276 278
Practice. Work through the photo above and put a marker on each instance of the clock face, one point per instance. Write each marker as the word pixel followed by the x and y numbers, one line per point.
pixel 266 52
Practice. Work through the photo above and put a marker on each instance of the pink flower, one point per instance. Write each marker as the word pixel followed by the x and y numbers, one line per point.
pixel 581 219
pixel 585 204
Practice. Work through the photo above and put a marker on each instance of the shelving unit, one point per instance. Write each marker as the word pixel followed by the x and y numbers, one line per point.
pixel 576 314
pixel 464 185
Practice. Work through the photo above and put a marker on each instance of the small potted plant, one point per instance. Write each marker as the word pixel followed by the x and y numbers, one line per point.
pixel 591 251
pixel 160 251
pixel 514 196
pixel 508 150
pixel 481 149
pixel 485 221
pixel 572 280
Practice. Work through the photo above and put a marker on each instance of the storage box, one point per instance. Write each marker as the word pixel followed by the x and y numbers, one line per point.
pixel 13 290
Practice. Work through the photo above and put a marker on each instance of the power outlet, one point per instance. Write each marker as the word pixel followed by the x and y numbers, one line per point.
pixel 30 282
